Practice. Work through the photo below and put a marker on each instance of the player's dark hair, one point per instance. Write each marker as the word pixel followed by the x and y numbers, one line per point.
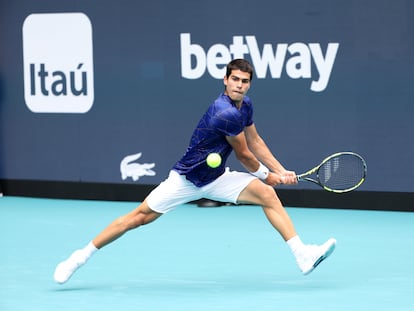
pixel 239 64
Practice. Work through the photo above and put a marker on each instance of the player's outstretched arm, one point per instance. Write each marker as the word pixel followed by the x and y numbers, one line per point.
pixel 262 152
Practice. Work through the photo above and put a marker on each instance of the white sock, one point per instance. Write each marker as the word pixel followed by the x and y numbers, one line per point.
pixel 295 244
pixel 89 250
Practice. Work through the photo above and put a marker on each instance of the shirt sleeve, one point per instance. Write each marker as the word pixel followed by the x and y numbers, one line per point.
pixel 228 122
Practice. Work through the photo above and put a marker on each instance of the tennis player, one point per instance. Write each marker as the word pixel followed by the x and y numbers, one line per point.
pixel 226 126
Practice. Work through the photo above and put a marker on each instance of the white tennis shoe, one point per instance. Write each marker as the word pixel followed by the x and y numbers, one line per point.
pixel 313 255
pixel 66 268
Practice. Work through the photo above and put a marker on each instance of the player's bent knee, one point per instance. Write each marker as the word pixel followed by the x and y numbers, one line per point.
pixel 268 195
pixel 259 193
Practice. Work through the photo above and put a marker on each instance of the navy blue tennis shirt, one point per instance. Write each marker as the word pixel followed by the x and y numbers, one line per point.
pixel 221 119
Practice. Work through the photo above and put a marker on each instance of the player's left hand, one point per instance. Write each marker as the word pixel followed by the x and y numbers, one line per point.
pixel 285 178
pixel 288 178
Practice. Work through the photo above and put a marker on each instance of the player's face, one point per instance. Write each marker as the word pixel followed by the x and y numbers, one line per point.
pixel 237 85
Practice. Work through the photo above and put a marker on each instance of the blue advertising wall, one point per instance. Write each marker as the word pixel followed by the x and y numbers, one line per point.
pixel 85 86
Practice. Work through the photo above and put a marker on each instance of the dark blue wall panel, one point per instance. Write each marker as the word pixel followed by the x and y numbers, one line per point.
pixel 143 101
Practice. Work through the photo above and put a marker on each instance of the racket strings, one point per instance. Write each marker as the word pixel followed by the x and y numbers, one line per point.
pixel 342 172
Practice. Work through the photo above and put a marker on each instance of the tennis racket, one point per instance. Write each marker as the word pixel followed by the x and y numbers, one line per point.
pixel 340 172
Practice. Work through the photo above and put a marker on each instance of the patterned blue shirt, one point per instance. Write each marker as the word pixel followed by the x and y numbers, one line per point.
pixel 221 119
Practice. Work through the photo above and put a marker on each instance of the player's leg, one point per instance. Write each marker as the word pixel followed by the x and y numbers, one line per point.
pixel 238 187
pixel 261 194
pixel 174 191
pixel 307 257
pixel 140 216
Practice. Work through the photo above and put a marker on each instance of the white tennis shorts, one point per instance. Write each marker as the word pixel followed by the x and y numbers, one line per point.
pixel 176 190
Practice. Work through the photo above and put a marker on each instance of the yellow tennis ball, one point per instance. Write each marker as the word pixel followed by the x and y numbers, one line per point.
pixel 213 160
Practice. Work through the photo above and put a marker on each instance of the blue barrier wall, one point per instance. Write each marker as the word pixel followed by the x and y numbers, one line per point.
pixel 81 92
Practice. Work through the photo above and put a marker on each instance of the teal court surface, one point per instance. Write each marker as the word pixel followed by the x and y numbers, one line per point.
pixel 226 258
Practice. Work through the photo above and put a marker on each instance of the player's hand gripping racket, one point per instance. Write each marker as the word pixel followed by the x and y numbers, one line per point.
pixel 340 172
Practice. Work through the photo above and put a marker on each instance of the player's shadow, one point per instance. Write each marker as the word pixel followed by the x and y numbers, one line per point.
pixel 213 286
